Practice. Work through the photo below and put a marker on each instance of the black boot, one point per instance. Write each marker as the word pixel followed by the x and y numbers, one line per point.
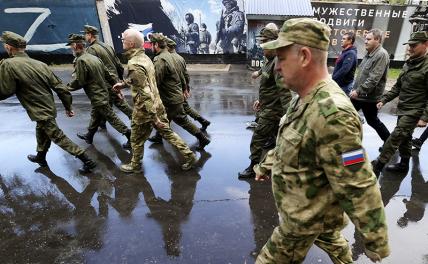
pixel 40 158
pixel 205 123
pixel 203 140
pixel 127 145
pixel 417 143
pixel 377 167
pixel 88 164
pixel 157 139
pixel 402 166
pixel 88 137
pixel 248 173
pixel 103 125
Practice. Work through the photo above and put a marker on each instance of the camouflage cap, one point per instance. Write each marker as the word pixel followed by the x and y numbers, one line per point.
pixel 267 34
pixel 304 31
pixel 417 37
pixel 157 37
pixel 170 43
pixel 13 39
pixel 75 38
pixel 90 29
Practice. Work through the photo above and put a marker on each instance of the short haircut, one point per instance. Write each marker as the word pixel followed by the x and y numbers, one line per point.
pixel 135 36
pixel 377 34
pixel 351 36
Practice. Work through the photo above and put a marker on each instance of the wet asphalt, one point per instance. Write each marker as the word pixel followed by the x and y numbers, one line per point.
pixel 165 215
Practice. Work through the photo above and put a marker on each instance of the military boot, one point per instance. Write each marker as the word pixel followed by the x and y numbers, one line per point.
pixel 88 137
pixel 127 145
pixel 402 166
pixel 417 143
pixel 88 164
pixel 205 123
pixel 248 172
pixel 189 163
pixel 103 125
pixel 131 167
pixel 157 139
pixel 203 140
pixel 377 167
pixel 40 158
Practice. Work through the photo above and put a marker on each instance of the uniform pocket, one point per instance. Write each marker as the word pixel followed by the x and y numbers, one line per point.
pixel 288 148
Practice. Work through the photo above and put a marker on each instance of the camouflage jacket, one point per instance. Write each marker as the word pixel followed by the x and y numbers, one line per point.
pixel 204 38
pixel 274 97
pixel 168 79
pixel 106 55
pixel 234 23
pixel 371 79
pixel 411 89
pixel 32 81
pixel 91 75
pixel 312 186
pixel 142 80
pixel 180 65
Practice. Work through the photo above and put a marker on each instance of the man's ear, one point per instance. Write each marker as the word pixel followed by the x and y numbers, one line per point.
pixel 305 56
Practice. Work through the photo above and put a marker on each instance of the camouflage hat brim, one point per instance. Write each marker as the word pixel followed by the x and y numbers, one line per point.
pixel 276 44
pixel 412 42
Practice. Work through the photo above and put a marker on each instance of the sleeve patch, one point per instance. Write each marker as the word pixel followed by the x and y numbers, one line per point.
pixel 353 157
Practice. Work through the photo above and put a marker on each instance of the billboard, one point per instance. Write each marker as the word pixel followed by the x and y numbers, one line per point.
pixel 45 24
pixel 359 18
pixel 197 26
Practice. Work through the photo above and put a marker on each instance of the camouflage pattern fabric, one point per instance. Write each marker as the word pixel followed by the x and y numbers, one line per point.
pixel 312 186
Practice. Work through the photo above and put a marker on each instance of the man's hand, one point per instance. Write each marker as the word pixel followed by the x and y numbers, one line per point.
pixel 422 123
pixel 255 75
pixel 353 94
pixel 159 124
pixel 118 86
pixel 379 105
pixel 69 113
pixel 120 95
pixel 262 177
pixel 373 256
pixel 186 94
pixel 256 105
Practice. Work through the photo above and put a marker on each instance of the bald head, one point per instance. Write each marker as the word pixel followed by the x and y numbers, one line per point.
pixel 133 39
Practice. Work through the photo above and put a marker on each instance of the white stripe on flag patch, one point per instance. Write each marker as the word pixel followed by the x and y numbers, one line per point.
pixel 352 153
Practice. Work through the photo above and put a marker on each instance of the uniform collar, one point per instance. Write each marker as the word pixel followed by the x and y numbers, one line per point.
pixel 132 53
pixel 20 54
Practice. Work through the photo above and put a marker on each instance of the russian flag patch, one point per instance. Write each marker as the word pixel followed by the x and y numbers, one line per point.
pixel 353 157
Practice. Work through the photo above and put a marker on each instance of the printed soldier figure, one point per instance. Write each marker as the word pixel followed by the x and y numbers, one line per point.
pixel 32 81
pixel 230 28
pixel 412 108
pixel 180 65
pixel 91 75
pixel 273 102
pixel 170 88
pixel 319 168
pixel 108 56
pixel 205 40
pixel 191 34
pixel 148 109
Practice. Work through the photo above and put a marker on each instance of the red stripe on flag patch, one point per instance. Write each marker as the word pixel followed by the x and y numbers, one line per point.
pixel 353 161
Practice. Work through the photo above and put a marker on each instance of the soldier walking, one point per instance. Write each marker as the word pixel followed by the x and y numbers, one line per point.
pixel 205 40
pixel 148 109
pixel 319 168
pixel 170 89
pixel 108 56
pixel 412 108
pixel 32 81
pixel 91 75
pixel 272 104
pixel 180 65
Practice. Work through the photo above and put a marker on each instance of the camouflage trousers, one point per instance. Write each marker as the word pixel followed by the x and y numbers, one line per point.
pixel 190 111
pixel 47 131
pixel 177 114
pixel 141 132
pixel 266 129
pixel 400 138
pixel 105 112
pixel 287 248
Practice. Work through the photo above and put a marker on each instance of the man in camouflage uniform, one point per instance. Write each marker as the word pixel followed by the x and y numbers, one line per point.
pixel 91 75
pixel 191 34
pixel 230 29
pixel 148 109
pixel 319 168
pixel 32 81
pixel 180 65
pixel 170 88
pixel 205 40
pixel 108 56
pixel 273 102
pixel 412 109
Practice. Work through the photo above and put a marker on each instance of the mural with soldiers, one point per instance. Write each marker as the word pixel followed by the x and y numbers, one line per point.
pixel 198 27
